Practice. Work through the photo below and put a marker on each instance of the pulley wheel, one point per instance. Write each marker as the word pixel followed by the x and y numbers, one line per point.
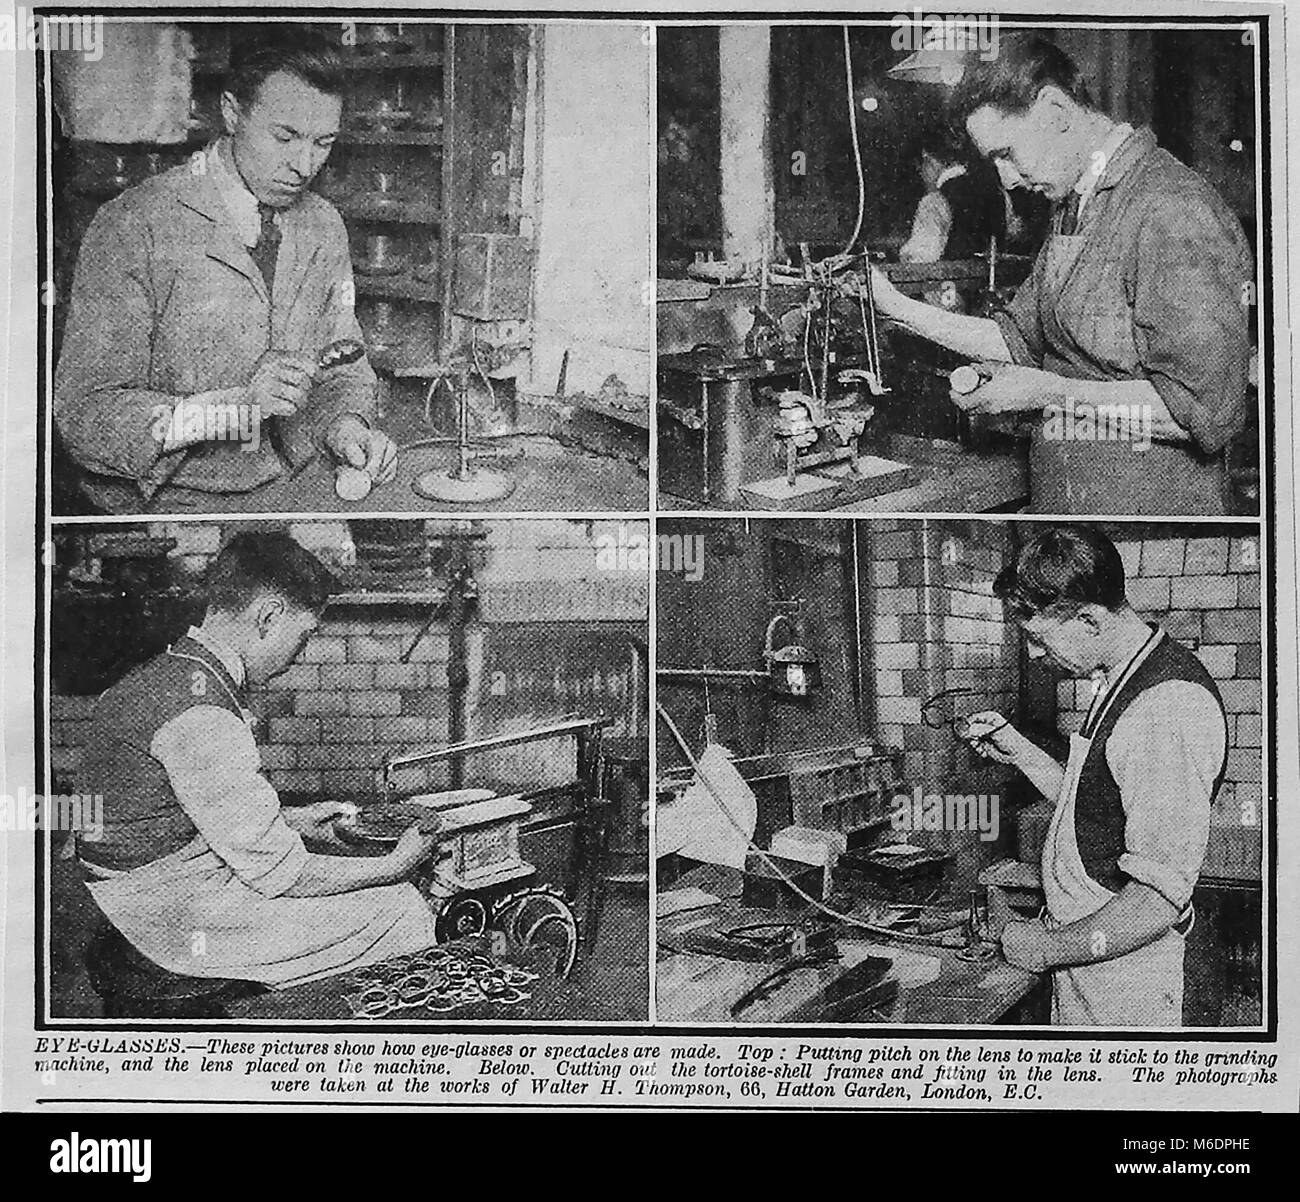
pixel 540 918
pixel 462 916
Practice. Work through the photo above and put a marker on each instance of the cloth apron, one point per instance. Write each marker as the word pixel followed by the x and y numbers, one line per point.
pixel 1102 476
pixel 1141 989
pixel 278 941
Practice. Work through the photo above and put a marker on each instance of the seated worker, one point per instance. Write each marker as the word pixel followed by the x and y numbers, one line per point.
pixel 202 298
pixel 1132 804
pixel 1131 335
pixel 199 867
pixel 963 206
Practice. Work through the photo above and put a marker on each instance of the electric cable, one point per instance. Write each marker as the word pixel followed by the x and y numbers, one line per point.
pixel 857 150
pixel 847 919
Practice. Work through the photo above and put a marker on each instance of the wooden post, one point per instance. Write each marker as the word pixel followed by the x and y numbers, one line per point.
pixel 748 201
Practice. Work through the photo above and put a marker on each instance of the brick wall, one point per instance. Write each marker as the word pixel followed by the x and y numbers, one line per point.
pixel 935 625
pixel 566 569
pixel 327 725
pixel 1204 591
pixel 348 704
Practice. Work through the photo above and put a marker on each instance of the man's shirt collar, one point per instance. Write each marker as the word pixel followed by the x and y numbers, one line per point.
pixel 949 173
pixel 225 656
pixel 1099 162
pixel 240 203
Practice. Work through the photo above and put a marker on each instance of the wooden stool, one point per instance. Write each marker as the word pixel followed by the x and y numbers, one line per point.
pixel 133 986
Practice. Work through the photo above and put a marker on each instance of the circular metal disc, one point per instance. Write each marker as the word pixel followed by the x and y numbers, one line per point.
pixel 463 915
pixel 475 488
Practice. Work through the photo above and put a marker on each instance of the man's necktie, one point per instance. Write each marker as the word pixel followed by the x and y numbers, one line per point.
pixel 1069 219
pixel 267 247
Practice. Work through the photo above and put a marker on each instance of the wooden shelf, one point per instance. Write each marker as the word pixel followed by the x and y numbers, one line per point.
pixel 960 271
pixel 427 59
pixel 419 82
pixel 390 137
pixel 398 287
pixel 357 598
pixel 420 59
pixel 397 212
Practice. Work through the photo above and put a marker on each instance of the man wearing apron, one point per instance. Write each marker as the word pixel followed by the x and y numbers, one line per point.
pixel 198 866
pixel 1132 803
pixel 1131 335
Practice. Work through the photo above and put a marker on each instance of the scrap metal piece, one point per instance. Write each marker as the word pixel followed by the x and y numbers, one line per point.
pixel 339 353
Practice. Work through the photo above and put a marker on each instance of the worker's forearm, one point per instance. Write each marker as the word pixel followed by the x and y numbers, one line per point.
pixel 324 875
pixel 977 337
pixel 1043 772
pixel 1146 411
pixel 224 414
pixel 1134 917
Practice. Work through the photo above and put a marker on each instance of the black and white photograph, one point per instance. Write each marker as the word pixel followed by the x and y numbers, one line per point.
pixel 685 560
pixel 959 772
pixel 351 265
pixel 349 770
pixel 990 270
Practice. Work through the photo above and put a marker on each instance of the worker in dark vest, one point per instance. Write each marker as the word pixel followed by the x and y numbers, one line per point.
pixel 963 206
pixel 198 865
pixel 1131 335
pixel 1132 803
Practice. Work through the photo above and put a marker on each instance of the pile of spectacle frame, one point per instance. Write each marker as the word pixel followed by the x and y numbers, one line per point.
pixel 438 980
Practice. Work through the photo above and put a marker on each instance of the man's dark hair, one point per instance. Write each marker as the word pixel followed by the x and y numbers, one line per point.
pixel 299 50
pixel 1023 66
pixel 1061 570
pixel 253 563
pixel 942 141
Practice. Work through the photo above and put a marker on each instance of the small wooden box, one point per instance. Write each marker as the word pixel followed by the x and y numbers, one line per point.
pixel 483 839
pixel 494 274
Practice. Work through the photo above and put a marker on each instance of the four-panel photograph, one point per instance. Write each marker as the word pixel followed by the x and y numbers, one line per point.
pixel 706 525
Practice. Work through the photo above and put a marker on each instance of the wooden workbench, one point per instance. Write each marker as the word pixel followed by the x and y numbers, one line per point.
pixel 692 988
pixel 970 482
pixel 549 477
pixel 974 482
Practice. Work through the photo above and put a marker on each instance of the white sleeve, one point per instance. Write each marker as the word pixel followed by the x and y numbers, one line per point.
pixel 931 226
pixel 212 763
pixel 1164 753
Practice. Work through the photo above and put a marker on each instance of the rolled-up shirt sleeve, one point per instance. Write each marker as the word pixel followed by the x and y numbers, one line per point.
pixel 1190 282
pixel 212 764
pixel 1020 322
pixel 1165 753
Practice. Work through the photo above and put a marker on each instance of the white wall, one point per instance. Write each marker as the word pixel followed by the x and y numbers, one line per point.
pixel 595 218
